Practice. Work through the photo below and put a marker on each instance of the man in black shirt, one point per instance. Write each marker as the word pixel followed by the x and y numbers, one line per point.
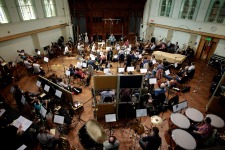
pixel 151 142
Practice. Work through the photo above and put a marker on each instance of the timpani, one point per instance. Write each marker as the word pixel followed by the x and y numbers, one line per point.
pixel 216 121
pixel 194 115
pixel 184 139
pixel 180 120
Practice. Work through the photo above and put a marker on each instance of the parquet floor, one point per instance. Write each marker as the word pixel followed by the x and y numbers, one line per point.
pixel 198 99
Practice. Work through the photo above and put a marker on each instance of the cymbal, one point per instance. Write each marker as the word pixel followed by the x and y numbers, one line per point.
pixel 138 128
pixel 156 120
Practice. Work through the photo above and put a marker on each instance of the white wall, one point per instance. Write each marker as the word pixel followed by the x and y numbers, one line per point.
pixel 30 43
pixel 8 49
pixel 174 21
pixel 220 50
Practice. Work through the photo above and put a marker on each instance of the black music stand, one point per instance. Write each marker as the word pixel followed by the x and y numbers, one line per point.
pixel 60 121
pixel 79 119
pixel 110 118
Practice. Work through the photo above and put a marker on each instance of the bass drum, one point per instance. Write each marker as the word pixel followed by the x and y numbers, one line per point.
pixel 92 135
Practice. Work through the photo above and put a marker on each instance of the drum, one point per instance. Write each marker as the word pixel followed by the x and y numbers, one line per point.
pixel 92 135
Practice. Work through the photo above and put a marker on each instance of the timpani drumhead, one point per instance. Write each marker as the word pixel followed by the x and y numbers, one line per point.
pixel 92 135
pixel 96 131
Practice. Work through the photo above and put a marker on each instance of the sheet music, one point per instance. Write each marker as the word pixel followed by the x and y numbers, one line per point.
pixel 175 65
pixel 153 61
pixel 45 59
pixel 120 69
pixel 22 147
pixel 130 69
pixel 93 58
pixel 143 70
pixel 58 119
pixel 43 111
pixel 152 81
pixel 141 112
pixel 67 72
pixel 38 83
pixel 110 118
pixel 84 65
pixel 39 52
pixel 22 121
pixel 46 88
pixel 12 89
pixel 106 70
pixel 23 100
pixel 167 72
pixel 52 131
pixel 58 93
pixel 2 111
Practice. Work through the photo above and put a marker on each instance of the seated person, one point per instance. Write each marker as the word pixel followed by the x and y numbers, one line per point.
pixel 72 69
pixel 80 48
pixel 38 69
pixel 79 73
pixel 66 50
pixel 28 65
pixel 111 144
pixel 160 90
pixel 183 79
pixel 106 94
pixel 62 84
pixel 47 139
pixel 202 131
pixel 125 95
pixel 152 141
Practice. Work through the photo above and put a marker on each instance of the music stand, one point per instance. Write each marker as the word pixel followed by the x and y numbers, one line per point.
pixel 110 118
pixel 79 119
pixel 141 113
pixel 180 106
pixel 59 120
pixel 46 59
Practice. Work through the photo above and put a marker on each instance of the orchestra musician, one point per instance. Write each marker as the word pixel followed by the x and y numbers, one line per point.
pixel 112 39
pixel 38 69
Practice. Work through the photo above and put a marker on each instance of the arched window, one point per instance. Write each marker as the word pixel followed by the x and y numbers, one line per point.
pixel 166 8
pixel 189 9
pixel 3 12
pixel 216 11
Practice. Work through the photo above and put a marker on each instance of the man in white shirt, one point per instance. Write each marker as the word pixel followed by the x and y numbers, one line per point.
pixel 66 50
pixel 37 68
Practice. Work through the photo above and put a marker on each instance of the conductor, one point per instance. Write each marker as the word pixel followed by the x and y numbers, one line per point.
pixel 112 39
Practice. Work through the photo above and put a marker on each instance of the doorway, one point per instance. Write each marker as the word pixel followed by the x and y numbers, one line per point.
pixel 206 48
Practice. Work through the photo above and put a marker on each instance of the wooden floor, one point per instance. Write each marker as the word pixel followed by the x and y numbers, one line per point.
pixel 197 98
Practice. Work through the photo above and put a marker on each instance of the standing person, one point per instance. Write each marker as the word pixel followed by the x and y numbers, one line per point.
pixel 128 62
pixel 18 95
pixel 111 144
pixel 112 39
pixel 151 142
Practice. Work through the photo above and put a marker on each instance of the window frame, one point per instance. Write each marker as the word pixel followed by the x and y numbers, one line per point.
pixel 45 9
pixel 189 9
pixel 5 12
pixel 166 7
pixel 33 10
pixel 220 8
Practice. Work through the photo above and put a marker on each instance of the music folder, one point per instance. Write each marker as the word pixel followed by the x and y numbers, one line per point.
pixel 110 118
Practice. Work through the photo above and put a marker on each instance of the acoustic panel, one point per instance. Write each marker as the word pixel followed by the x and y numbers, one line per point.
pixel 105 82
pixel 131 81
